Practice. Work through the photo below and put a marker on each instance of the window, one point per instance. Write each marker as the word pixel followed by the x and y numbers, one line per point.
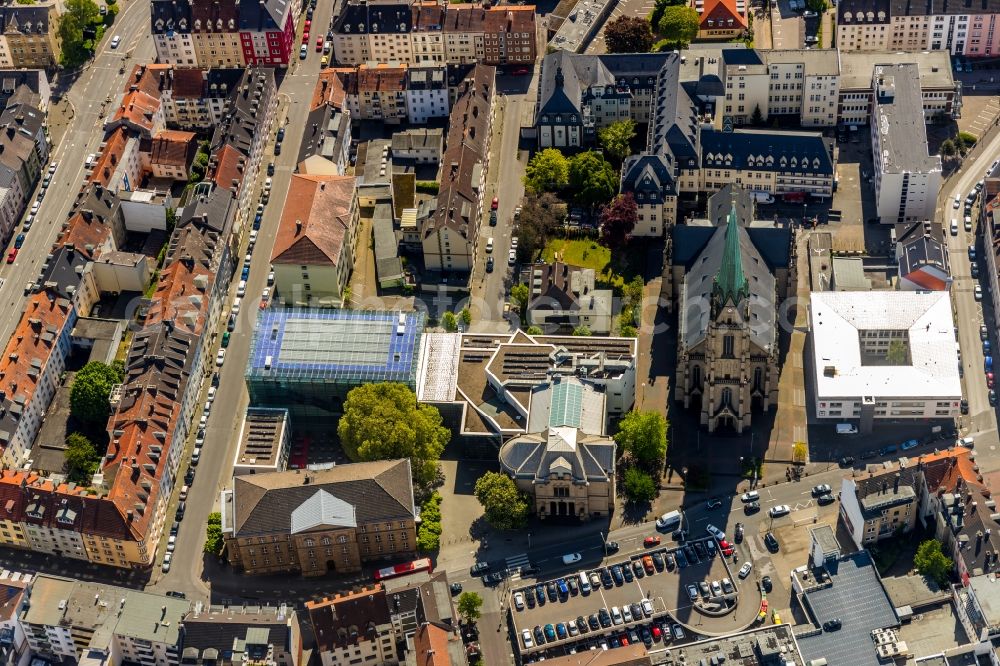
pixel 727 346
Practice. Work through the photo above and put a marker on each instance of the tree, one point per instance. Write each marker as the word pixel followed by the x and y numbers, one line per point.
pixel 933 563
pixel 469 606
pixel 466 316
pixel 383 421
pixel 628 34
pixel 213 534
pixel 616 138
pixel 88 398
pixel 78 16
pixel 449 322
pixel 80 458
pixel 429 532
pixel 520 294
pixel 659 8
pixel 679 25
pixel 799 451
pixel 592 179
pixel 618 220
pixel 948 148
pixel 757 118
pixel 539 221
pixel 505 506
pixel 639 486
pixel 897 354
pixel 547 171
pixel 643 435
pixel 818 6
pixel 535 330
pixel 966 139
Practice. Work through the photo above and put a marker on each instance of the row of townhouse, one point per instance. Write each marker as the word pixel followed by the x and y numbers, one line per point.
pixel 240 34
pixel 116 519
pixel 960 28
pixel 58 619
pixel 396 93
pixel 684 153
pixel 821 88
pixel 24 150
pixel 435 33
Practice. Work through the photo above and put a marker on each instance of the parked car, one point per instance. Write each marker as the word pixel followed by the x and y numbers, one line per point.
pixel 823 500
pixel 779 510
pixel 821 489
pixel 745 569
pixel 771 542
pixel 751 496
pixel 715 532
pixel 650 541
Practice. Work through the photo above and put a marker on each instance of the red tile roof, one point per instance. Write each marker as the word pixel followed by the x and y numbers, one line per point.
pixel 181 296
pixel 147 79
pixel 110 157
pixel 721 12
pixel 138 108
pixel 331 87
pixel 188 82
pixel 226 171
pixel 172 148
pixel 317 217
pixel 430 644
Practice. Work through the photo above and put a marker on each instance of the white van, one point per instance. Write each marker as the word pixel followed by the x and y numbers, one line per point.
pixel 90 160
pixel 763 197
pixel 489 245
pixel 584 583
pixel 669 521
pixel 847 429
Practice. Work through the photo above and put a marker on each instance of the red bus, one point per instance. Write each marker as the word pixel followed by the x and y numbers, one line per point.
pixel 406 569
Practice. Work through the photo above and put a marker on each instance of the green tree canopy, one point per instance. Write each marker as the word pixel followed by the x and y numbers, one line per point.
pixel 547 171
pixel 659 7
pixel 449 322
pixel 644 436
pixel 628 34
pixel 77 16
pixel 429 533
pixel 470 606
pixel 679 25
pixel 540 219
pixel 81 459
pixel 88 398
pixel 213 534
pixel 383 421
pixel 592 179
pixel 535 330
pixel 757 118
pixel 947 148
pixel 519 293
pixel 582 330
pixel 933 563
pixel 505 506
pixel 639 486
pixel 616 138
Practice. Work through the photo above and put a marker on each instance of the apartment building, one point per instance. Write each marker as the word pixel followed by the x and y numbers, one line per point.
pixel 564 297
pixel 450 229
pixel 241 34
pixel 940 93
pixel 313 253
pixel 30 35
pixel 801 84
pixel 897 25
pixel 907 178
pixel 14 648
pixel 314 522
pixel 432 33
pixel 395 93
pixel 24 149
pixel 721 19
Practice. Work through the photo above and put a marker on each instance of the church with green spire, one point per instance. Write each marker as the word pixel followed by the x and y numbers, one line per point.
pixel 728 276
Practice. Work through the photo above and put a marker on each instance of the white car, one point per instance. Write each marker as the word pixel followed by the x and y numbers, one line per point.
pixel 519 601
pixel 52 167
pixel 270 278
pixel 34 207
pixel 751 496
pixel 956 203
pixel 573 629
pixel 745 569
pixel 678 632
pixel 627 613
pixel 512 257
pixel 526 638
pixel 809 14
pixel 716 588
pixel 780 510
pixel 267 185
pixel 572 558
pixel 211 393
pixel 954 227
pixel 220 358
pixel 236 307
pixel 171 543
pixel 616 616
pixel 115 41
pixel 716 532
pixel 647 607
pixel 978 293
pixel 692 592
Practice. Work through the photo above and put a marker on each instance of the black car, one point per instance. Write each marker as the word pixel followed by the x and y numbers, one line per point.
pixel 965 406
pixel 606 580
pixel 751 508
pixel 277 148
pixel 281 133
pixel 604 617
pixel 637 612
pixel 174 528
pixel 832 625
pixel 594 622
pixel 771 542
pixel 886 450
pixel 539 635
pixel 616 573
pixel 657 561
pixel 529 570
pixel 552 590
pixel 738 533
pixel 456 588
pixel 869 453
pixel 582 624
pixel 765 582
pixel 670 561
pixel 495 578
pixel 823 500
pixel 529 598
pixel 847 461
pixel 681 559
pixel 647 638
pixel 692 556
pixel 540 594
pixel 627 573
pixel 189 476
pixel 180 511
pixel 699 548
pixel 611 547
pixel 679 535
pixel 176 595
pixel 640 571
pixel 270 168
pixel 479 568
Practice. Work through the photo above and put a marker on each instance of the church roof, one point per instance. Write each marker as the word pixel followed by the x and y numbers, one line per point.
pixel 731 284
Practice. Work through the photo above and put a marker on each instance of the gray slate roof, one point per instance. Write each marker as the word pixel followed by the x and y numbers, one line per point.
pixel 796 152
pixel 378 491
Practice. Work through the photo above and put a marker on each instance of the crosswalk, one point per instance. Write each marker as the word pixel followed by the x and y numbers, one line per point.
pixel 514 564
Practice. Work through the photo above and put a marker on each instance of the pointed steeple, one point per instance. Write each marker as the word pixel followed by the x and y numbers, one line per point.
pixel 731 285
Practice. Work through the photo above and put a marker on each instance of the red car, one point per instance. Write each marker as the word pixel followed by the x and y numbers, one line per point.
pixel 308 24
pixel 651 541
pixel 656 633
pixel 726 547
pixel 521 71
pixel 12 255
pixel 496 203
pixel 319 43
pixel 305 37
pixel 989 376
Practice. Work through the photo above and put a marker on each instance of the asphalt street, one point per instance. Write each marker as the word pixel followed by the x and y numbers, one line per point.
pixel 83 136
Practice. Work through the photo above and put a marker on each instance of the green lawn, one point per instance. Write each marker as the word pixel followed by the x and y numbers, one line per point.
pixel 591 254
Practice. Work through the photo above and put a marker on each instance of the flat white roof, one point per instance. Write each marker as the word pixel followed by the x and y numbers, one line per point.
pixel 836 319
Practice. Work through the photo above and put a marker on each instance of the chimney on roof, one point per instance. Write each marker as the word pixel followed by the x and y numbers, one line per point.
pixel 895 483
pixel 298 227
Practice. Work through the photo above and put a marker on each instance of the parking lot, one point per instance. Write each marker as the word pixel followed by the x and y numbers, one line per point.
pixel 552 611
